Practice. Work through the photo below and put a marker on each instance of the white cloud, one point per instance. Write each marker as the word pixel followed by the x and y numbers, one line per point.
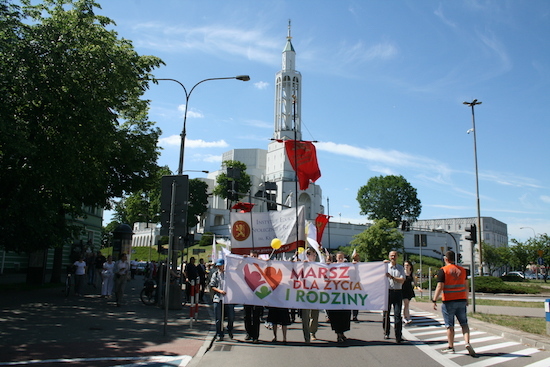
pixel 261 85
pixel 359 52
pixel 391 158
pixel 211 39
pixel 212 158
pixel 190 113
pixel 175 140
pixel 199 143
pixel 172 140
pixel 545 198
pixel 260 124
pixel 440 15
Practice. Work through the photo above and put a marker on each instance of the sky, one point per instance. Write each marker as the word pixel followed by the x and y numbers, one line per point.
pixel 383 89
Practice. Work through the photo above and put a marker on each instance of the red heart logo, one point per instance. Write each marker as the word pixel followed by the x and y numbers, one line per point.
pixel 273 276
pixel 253 279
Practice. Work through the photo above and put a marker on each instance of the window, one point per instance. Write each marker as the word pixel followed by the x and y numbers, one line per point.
pixel 420 238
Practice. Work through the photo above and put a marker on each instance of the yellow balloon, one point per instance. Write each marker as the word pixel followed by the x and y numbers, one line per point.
pixel 276 243
pixel 300 250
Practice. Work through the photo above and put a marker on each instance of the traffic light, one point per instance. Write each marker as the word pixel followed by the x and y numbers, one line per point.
pixel 472 236
pixel 233 191
pixel 459 259
pixel 405 225
pixel 180 183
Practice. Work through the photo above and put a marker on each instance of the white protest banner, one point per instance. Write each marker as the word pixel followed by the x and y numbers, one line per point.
pixel 254 231
pixel 306 285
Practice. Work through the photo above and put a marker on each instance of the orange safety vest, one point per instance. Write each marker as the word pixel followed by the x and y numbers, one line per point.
pixel 454 287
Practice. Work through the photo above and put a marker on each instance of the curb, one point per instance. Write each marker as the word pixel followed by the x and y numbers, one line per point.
pixel 208 340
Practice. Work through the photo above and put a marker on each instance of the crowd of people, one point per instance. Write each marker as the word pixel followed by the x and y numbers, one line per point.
pixel 452 286
pixel 96 268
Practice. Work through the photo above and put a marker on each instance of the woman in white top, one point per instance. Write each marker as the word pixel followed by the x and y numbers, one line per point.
pixel 107 275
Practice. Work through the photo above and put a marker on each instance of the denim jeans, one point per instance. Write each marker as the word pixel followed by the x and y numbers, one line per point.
pixel 395 301
pixel 451 309
pixel 228 312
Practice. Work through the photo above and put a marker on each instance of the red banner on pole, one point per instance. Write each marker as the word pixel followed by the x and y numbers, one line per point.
pixel 320 223
pixel 243 207
pixel 303 158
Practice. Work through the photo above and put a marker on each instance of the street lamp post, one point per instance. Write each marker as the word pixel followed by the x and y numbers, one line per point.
pixel 244 78
pixel 479 228
pixel 180 172
pixel 534 234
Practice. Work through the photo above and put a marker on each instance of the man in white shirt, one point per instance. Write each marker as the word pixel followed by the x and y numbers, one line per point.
pixel 396 276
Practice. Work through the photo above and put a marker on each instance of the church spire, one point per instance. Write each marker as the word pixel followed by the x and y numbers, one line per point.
pixel 288 95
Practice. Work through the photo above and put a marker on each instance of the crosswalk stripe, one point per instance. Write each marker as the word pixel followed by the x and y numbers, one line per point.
pixel 487 348
pixel 504 358
pixel 480 340
pixel 542 363
pixel 444 338
pixel 431 332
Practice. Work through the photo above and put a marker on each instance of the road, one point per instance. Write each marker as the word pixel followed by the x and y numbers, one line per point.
pixel 426 336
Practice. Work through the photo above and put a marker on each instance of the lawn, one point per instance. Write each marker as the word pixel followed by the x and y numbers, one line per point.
pixel 533 325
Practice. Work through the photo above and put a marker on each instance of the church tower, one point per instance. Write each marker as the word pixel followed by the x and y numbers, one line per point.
pixel 287 126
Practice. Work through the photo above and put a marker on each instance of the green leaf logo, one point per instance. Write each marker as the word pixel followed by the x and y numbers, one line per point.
pixel 263 292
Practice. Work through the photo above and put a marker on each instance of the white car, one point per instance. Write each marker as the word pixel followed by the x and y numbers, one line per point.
pixel 516 273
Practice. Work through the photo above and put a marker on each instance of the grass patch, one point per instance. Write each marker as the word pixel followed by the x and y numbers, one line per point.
pixel 495 302
pixel 533 325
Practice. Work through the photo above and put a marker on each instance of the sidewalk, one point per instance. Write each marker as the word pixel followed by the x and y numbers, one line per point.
pixel 44 324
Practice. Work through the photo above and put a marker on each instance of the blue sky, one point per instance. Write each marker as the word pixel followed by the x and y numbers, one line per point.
pixel 383 86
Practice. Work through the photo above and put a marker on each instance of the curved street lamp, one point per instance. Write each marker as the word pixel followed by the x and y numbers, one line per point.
pixel 479 228
pixel 479 237
pixel 244 78
pixel 534 234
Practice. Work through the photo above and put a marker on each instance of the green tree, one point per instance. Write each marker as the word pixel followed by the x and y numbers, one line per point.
pixel 495 257
pixel 378 240
pixel 73 127
pixel 521 254
pixel 144 205
pixel 389 197
pixel 224 182
pixel 198 201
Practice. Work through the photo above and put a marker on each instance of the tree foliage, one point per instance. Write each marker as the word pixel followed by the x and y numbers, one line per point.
pixel 378 240
pixel 198 201
pixel 144 205
pixel 73 127
pixel 389 197
pixel 224 182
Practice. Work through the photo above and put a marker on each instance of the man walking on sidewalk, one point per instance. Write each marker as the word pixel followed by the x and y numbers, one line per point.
pixel 452 282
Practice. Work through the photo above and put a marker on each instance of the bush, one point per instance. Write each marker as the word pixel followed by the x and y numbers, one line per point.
pixel 492 285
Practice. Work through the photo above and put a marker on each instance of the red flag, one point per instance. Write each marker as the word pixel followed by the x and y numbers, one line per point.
pixel 303 158
pixel 320 223
pixel 243 207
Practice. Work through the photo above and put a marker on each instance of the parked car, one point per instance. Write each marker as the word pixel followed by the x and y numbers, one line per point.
pixel 513 276
pixel 516 273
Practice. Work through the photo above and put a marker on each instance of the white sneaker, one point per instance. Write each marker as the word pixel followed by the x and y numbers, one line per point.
pixel 448 350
